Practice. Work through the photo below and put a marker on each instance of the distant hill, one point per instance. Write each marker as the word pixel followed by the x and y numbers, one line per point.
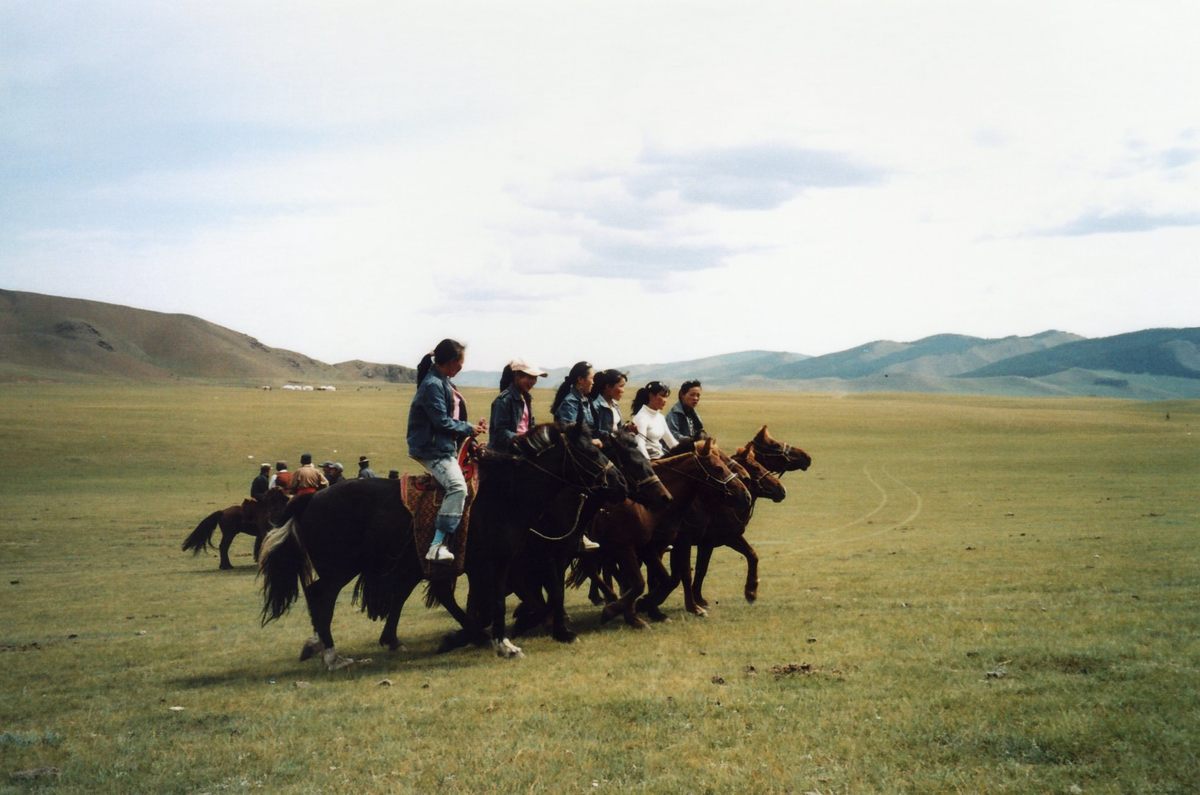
pixel 43 336
pixel 1158 352
pixel 941 355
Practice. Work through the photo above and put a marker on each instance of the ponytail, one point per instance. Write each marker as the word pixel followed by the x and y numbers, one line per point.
pixel 578 370
pixel 506 377
pixel 643 394
pixel 446 351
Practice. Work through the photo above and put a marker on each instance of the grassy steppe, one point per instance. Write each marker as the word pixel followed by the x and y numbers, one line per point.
pixel 990 595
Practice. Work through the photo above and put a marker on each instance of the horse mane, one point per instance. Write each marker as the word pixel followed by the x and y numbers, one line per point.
pixel 538 439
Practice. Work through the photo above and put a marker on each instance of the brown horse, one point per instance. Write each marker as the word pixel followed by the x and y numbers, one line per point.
pixel 252 517
pixel 775 457
pixel 723 527
pixel 630 533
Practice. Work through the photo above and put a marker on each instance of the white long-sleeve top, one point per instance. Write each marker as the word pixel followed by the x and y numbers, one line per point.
pixel 652 432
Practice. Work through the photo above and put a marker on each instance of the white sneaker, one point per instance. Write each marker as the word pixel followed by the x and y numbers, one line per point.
pixel 439 554
pixel 587 544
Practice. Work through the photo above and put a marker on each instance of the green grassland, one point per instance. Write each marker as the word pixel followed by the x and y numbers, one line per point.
pixel 962 595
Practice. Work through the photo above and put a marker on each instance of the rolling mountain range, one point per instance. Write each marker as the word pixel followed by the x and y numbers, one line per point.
pixel 48 338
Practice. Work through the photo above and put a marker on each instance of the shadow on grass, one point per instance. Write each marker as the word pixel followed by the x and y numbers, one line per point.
pixel 236 571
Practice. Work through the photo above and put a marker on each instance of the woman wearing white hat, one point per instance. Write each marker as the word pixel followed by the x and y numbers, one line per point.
pixel 512 410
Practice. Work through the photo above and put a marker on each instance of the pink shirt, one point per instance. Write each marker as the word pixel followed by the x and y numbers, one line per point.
pixel 523 423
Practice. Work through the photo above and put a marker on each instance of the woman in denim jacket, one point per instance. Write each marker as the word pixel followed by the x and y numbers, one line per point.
pixel 571 402
pixel 512 410
pixel 607 389
pixel 435 426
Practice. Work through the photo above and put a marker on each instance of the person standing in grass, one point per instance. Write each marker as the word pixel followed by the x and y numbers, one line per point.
pixel 682 419
pixel 436 424
pixel 512 410
pixel 364 468
pixel 261 484
pixel 307 478
pixel 654 437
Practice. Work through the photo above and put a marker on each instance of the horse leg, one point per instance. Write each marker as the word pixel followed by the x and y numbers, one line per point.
pixel 556 596
pixel 405 584
pixel 662 585
pixel 703 556
pixel 258 542
pixel 740 544
pixel 227 534
pixel 629 576
pixel 321 596
pixel 500 642
pixel 684 562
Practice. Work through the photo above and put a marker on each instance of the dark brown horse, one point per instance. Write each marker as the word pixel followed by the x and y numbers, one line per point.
pixel 630 533
pixel 775 457
pixel 725 526
pixel 252 517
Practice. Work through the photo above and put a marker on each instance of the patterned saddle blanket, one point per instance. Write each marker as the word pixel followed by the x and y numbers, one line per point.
pixel 422 496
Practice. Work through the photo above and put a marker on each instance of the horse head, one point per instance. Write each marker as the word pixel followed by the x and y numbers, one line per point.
pixel 622 449
pixel 276 502
pixel 719 476
pixel 593 471
pixel 778 456
pixel 757 477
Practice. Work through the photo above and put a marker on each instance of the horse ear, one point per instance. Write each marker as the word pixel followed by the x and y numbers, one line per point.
pixel 762 433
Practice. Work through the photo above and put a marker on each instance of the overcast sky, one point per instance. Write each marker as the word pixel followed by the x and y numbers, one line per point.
pixel 614 181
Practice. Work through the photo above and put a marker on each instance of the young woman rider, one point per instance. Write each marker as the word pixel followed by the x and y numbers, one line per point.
pixel 512 410
pixel 682 419
pixel 436 423
pixel 607 389
pixel 654 437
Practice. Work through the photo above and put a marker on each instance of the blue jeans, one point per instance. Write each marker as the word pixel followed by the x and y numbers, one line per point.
pixel 449 476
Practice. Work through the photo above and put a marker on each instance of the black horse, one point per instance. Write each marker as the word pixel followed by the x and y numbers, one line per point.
pixel 500 537
pixel 551 549
pixel 363 529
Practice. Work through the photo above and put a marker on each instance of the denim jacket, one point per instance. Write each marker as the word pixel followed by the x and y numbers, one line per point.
pixel 432 430
pixel 574 405
pixel 681 424
pixel 604 415
pixel 507 409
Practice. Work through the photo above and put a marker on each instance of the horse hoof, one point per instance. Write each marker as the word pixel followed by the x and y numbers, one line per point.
pixel 655 614
pixel 392 644
pixel 311 646
pixel 701 601
pixel 565 635
pixel 335 661
pixel 637 623
pixel 607 614
pixel 751 596
pixel 507 649
pixel 699 612
pixel 226 566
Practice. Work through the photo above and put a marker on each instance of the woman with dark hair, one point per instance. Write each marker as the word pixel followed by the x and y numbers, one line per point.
pixel 512 410
pixel 571 402
pixel 436 424
pixel 654 437
pixel 607 389
pixel 682 419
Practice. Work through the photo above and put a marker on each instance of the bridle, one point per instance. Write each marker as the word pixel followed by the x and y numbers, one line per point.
pixel 540 444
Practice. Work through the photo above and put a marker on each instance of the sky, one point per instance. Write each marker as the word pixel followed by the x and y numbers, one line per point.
pixel 621 182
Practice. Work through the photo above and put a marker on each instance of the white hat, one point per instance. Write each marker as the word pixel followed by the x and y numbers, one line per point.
pixel 522 366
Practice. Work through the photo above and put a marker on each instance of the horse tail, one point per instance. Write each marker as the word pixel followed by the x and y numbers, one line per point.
pixel 201 537
pixel 285 566
pixel 583 568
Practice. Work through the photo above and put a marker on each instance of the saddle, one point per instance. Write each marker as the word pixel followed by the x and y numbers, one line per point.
pixel 422 496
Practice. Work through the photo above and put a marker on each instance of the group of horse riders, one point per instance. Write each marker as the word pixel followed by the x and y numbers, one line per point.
pixel 437 421
pixel 307 479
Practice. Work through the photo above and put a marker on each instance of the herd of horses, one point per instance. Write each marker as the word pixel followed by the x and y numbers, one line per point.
pixel 522 538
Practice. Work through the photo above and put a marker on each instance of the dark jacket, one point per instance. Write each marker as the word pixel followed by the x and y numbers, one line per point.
pixel 684 423
pixel 259 486
pixel 572 407
pixel 603 414
pixel 432 431
pixel 507 409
